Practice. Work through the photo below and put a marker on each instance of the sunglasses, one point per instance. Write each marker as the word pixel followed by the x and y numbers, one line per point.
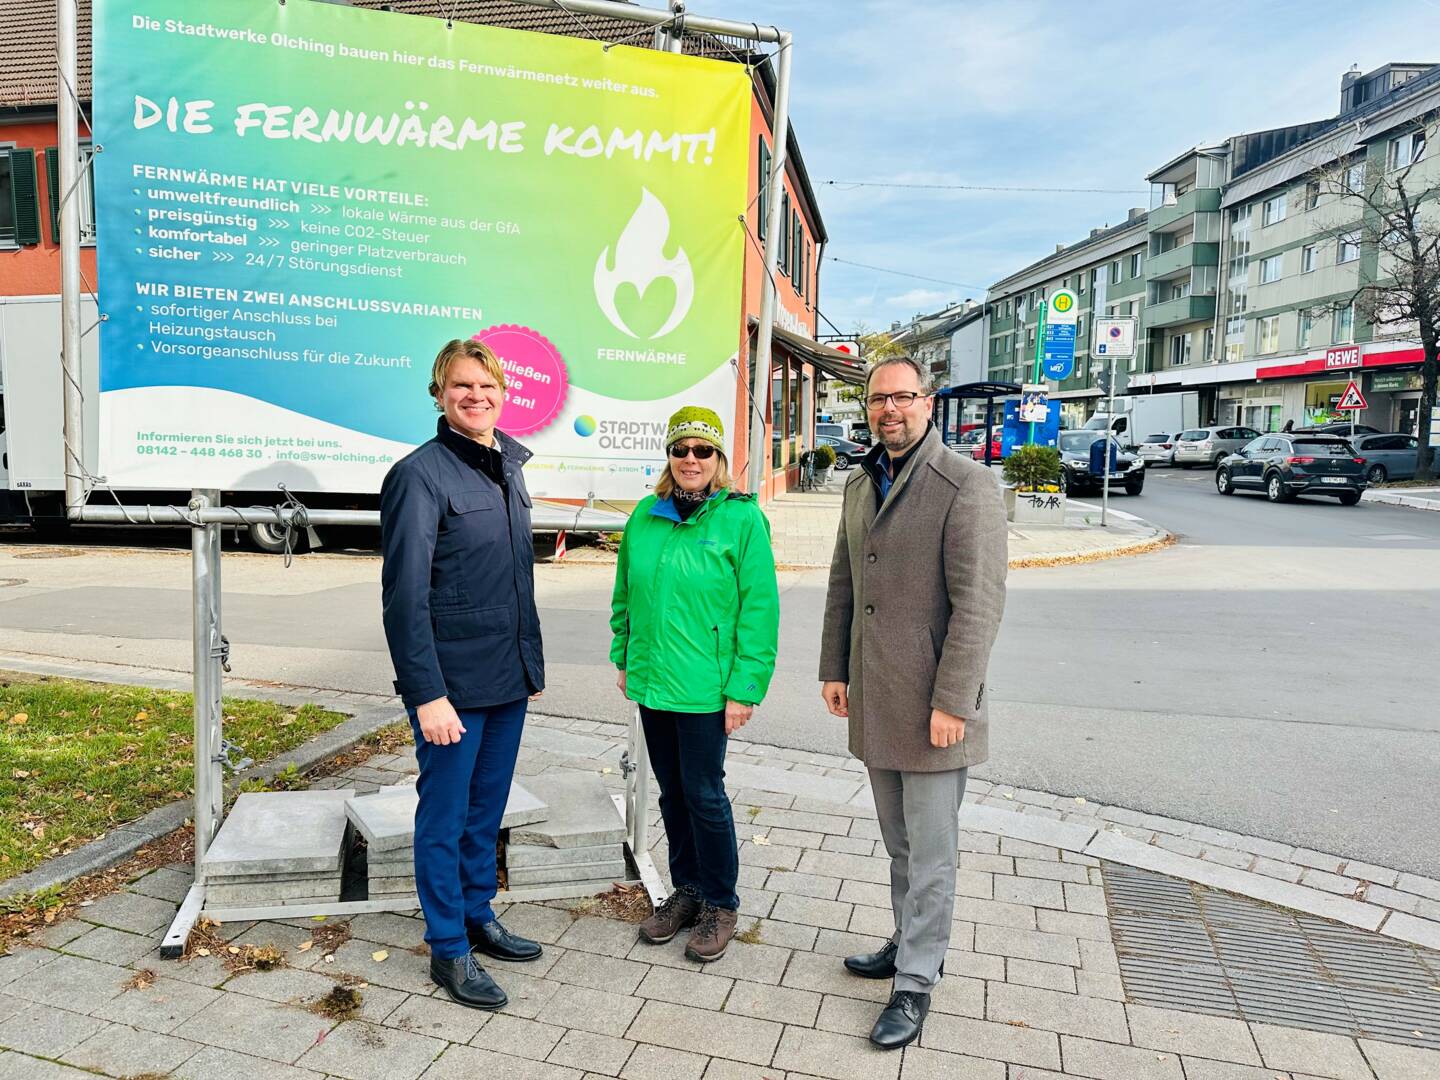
pixel 701 452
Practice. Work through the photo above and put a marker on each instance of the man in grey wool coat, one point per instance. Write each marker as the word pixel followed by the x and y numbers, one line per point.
pixel 917 589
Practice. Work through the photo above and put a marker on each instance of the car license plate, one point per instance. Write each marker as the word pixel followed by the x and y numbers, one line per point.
pixel 1334 480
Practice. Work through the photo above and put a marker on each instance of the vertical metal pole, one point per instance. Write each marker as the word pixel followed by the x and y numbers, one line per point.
pixel 667 38
pixel 205 585
pixel 760 362
pixel 1109 427
pixel 68 154
pixel 1039 352
pixel 640 791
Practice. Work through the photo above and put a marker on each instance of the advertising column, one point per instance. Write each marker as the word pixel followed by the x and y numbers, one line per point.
pixel 298 204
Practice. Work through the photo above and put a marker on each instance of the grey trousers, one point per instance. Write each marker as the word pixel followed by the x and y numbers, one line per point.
pixel 919 822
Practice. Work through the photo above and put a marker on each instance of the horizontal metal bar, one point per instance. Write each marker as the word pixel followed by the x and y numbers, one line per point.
pixel 542 518
pixel 654 17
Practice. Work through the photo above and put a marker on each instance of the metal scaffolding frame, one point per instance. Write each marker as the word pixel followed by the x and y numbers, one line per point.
pixel 207 518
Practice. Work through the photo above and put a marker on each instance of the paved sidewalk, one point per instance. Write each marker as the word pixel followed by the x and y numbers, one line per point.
pixel 1036 987
pixel 1417 498
pixel 803 526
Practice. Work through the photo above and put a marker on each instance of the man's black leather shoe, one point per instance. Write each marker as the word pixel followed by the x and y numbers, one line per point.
pixel 875 965
pixel 467 982
pixel 496 942
pixel 901 1021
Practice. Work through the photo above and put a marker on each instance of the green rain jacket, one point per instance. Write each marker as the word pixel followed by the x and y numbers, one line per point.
pixel 696 610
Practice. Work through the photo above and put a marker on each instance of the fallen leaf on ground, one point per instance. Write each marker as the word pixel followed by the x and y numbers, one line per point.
pixel 760 840
pixel 305 946
pixel 19 718
pixel 380 955
pixel 202 952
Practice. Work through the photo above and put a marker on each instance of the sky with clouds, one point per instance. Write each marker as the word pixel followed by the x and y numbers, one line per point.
pixel 1039 93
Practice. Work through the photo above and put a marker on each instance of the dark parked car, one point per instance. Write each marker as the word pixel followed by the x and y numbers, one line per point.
pixel 847 452
pixel 1336 427
pixel 1283 466
pixel 1387 457
pixel 1075 475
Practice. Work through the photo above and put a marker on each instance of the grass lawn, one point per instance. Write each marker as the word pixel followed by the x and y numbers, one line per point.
pixel 78 758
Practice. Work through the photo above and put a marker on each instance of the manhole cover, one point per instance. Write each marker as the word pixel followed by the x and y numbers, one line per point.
pixel 1183 946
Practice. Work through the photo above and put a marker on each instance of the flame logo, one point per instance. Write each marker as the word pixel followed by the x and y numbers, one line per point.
pixel 640 261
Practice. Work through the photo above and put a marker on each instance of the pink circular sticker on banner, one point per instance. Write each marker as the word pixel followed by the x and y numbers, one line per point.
pixel 535 376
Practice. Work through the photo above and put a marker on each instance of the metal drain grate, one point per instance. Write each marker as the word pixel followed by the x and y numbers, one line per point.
pixel 1183 946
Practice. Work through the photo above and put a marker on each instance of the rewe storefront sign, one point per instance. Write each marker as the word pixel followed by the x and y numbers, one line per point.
pixel 1347 356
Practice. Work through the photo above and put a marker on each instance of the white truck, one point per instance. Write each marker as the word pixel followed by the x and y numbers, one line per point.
pixel 1139 415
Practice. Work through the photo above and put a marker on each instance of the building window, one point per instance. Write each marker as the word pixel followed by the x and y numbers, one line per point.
pixel 1095 278
pixel 1270 269
pixel 1406 150
pixel 1208 352
pixel 797 248
pixel 19 198
pixel 1030 338
pixel 762 167
pixel 1080 333
pixel 1269 334
pixel 1135 258
pixel 1348 248
pixel 1312 194
pixel 1180 290
pixel 1115 270
pixel 1234 354
pixel 1020 307
pixel 1179 350
pixel 1309 258
pixel 1080 283
pixel 784 239
pixel 1307 325
pixel 1274 210
pixel 1343 330
pixel 1355 178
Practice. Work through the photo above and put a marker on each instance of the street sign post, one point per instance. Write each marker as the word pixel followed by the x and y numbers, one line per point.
pixel 1352 400
pixel 1041 313
pixel 1114 340
pixel 1058 340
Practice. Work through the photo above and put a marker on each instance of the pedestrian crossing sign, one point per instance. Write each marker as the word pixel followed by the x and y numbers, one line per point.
pixel 1352 399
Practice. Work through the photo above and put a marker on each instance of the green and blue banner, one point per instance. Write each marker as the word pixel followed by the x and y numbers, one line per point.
pixel 300 203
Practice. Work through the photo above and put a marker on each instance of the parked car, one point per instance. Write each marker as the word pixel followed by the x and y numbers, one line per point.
pixel 978 451
pixel 1388 457
pixel 1336 427
pixel 1286 465
pixel 1158 449
pixel 1075 475
pixel 847 451
pixel 1206 446
pixel 860 432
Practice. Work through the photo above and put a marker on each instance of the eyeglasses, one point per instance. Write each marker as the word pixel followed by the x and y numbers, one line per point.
pixel 701 452
pixel 903 400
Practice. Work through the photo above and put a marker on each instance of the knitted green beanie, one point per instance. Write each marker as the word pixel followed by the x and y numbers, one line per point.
pixel 695 422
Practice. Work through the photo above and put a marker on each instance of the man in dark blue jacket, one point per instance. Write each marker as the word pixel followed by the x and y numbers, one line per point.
pixel 458 586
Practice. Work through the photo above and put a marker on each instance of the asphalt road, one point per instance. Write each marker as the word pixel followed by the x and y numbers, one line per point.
pixel 1273 673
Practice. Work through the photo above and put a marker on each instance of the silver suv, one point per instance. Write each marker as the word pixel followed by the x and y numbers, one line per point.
pixel 1206 446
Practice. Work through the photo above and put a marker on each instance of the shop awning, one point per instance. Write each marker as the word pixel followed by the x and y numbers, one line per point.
pixel 832 362
pixel 981 390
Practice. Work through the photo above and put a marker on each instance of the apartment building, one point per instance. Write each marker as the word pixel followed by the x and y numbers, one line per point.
pixel 1107 272
pixel 1244 269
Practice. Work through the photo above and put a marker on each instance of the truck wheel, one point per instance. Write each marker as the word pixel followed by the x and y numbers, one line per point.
pixel 270 538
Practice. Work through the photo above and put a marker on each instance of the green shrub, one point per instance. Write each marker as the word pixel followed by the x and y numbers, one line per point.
pixel 824 457
pixel 1032 468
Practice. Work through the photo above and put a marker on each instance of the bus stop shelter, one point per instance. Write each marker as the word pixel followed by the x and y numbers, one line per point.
pixel 952 399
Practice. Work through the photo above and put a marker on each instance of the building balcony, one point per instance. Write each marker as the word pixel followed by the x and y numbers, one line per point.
pixel 1179 261
pixel 1175 312
pixel 1173 216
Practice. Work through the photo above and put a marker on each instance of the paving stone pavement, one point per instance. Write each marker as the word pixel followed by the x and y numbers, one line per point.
pixel 1032 991
pixel 803 526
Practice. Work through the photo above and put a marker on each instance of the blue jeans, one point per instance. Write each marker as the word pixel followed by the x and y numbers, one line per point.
pixel 463 789
pixel 687 752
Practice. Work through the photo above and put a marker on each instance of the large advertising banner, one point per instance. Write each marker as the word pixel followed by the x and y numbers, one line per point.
pixel 300 203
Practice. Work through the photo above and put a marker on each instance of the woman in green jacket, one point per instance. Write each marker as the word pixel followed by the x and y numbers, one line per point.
pixel 696 618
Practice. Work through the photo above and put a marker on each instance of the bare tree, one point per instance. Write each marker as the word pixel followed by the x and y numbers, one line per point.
pixel 1398 204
